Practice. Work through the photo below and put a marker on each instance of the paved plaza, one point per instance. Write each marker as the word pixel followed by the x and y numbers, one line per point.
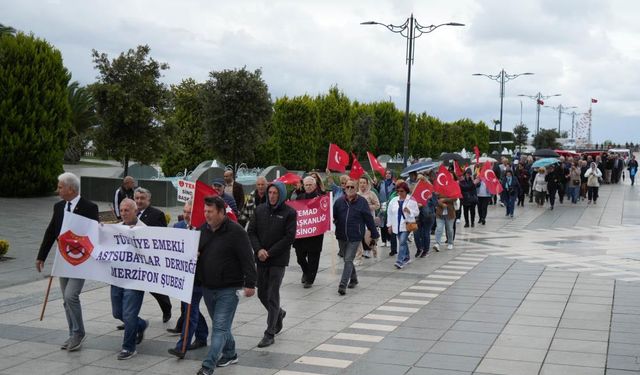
pixel 549 292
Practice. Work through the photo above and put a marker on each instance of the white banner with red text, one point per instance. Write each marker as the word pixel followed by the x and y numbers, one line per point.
pixel 152 259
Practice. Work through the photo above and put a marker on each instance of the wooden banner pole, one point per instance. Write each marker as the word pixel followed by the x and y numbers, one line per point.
pixel 46 298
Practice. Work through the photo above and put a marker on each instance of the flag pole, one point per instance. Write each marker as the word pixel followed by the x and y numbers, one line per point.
pixel 46 298
pixel 186 330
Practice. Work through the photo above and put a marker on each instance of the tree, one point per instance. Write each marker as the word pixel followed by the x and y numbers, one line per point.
pixel 185 127
pixel 83 117
pixel 520 134
pixel 295 124
pixel 130 103
pixel 34 114
pixel 546 138
pixel 334 121
pixel 236 104
pixel 363 130
pixel 7 30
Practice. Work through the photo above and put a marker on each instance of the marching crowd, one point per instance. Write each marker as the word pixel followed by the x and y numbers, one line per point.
pixel 367 213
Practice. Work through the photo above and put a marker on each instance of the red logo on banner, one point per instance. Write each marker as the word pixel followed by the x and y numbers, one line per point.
pixel 73 248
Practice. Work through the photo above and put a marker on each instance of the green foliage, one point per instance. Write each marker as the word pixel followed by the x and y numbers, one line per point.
pixel 34 115
pixel 520 134
pixel 546 138
pixel 185 129
pixel 236 106
pixel 130 103
pixel 83 117
pixel 295 128
pixel 364 125
pixel 334 121
pixel 7 30
pixel 388 130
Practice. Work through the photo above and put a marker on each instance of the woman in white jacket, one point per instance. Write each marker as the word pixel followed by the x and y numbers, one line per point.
pixel 400 210
pixel 593 176
pixel 540 187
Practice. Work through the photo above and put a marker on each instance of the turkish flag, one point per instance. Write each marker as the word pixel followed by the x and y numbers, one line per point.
pixel 594 100
pixel 356 169
pixel 422 192
pixel 197 211
pixel 488 176
pixel 375 164
pixel 540 102
pixel 476 151
pixel 457 169
pixel 289 178
pixel 445 184
pixel 338 159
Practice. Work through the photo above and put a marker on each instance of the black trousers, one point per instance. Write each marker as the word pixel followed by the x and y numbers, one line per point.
pixel 164 302
pixel 269 282
pixel 470 209
pixel 552 196
pixel 308 252
pixel 483 203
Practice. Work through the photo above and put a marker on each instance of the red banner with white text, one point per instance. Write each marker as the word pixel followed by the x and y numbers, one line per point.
pixel 314 216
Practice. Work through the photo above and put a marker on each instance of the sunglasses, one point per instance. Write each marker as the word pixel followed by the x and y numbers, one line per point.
pixel 349 187
pixel 401 191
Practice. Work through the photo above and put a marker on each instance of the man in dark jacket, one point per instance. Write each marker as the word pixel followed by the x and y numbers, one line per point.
pixel 225 265
pixel 351 214
pixel 124 191
pixel 69 192
pixel 153 217
pixel 271 232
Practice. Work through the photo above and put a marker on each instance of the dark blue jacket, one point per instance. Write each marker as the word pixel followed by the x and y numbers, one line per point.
pixel 351 218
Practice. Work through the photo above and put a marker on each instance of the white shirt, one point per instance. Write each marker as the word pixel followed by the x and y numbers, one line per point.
pixel 74 203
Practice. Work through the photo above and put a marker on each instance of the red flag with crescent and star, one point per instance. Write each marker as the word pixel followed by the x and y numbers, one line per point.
pixel 338 159
pixel 445 185
pixel 356 168
pixel 422 192
pixel 488 176
pixel 375 164
pixel 197 211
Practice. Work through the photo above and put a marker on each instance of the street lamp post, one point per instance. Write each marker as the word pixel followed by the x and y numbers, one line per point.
pixel 539 98
pixel 502 78
pixel 410 30
pixel 560 109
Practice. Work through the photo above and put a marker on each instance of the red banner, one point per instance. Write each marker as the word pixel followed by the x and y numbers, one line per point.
pixel 314 216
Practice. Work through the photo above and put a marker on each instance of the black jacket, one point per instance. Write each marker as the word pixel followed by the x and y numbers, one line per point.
pixel 153 217
pixel 226 259
pixel 273 229
pixel 469 192
pixel 84 208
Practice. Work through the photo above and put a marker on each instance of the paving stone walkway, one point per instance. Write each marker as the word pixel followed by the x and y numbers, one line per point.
pixel 549 292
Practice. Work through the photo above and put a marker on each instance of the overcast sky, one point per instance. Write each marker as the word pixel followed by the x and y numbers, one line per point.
pixel 581 49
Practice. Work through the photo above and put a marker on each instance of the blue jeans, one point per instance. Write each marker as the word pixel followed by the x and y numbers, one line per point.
pixel 573 193
pixel 125 306
pixel 510 203
pixel 441 223
pixel 423 234
pixel 71 289
pixel 348 248
pixel 221 304
pixel 197 323
pixel 403 248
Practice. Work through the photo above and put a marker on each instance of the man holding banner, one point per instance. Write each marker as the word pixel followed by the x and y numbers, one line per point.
pixel 126 303
pixel 271 232
pixel 72 202
pixel 225 264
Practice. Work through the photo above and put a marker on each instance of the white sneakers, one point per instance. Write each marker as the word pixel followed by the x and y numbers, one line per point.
pixel 449 247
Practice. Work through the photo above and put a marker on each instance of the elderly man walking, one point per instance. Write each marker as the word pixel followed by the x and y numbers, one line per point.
pixel 351 214
pixel 69 192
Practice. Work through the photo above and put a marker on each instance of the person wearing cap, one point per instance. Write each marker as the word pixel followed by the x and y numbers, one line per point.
pixel 218 184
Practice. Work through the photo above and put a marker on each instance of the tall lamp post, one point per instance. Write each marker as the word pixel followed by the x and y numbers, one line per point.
pixel 539 98
pixel 560 108
pixel 502 77
pixel 410 30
